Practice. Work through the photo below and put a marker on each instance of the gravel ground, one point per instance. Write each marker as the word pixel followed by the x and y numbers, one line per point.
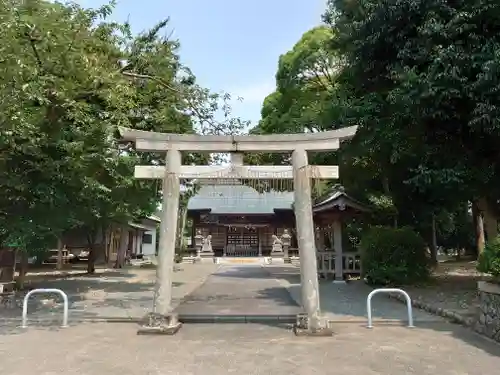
pixel 453 288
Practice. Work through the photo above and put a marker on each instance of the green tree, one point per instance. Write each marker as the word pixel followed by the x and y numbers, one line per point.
pixel 70 78
pixel 50 88
pixel 419 77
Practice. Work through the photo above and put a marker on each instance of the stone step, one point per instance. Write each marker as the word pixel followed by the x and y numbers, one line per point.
pixel 242 260
pixel 236 260
pixel 188 260
pixel 237 318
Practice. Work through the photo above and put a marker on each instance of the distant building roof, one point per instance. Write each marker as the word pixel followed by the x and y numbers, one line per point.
pixel 138 226
pixel 155 217
pixel 239 199
pixel 338 200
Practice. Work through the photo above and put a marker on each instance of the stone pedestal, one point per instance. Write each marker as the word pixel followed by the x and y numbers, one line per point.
pixel 488 319
pixel 207 257
pixel 286 256
pixel 302 327
pixel 157 324
pixel 277 249
pixel 277 258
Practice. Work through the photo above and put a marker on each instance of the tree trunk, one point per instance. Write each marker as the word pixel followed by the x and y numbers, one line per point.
pixel 477 219
pixel 23 270
pixel 106 248
pixel 106 230
pixel 59 254
pixel 91 260
pixel 433 246
pixel 91 238
pixel 489 219
pixel 122 248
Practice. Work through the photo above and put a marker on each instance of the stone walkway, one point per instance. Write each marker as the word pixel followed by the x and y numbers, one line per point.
pixel 250 349
pixel 239 293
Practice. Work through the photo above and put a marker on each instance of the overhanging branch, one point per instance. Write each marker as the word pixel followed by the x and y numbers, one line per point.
pixel 217 126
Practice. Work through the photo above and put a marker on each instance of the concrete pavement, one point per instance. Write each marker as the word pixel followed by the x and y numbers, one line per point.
pixel 433 347
pixel 347 302
pixel 218 349
pixel 239 293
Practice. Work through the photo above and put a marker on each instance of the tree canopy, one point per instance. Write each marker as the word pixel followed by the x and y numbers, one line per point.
pixel 420 79
pixel 69 79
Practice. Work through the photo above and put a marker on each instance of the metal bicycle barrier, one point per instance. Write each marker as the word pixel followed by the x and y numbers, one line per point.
pixel 388 290
pixel 40 291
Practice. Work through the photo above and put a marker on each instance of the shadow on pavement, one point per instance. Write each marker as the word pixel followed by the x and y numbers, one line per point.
pixel 346 304
pixel 463 334
pixel 119 295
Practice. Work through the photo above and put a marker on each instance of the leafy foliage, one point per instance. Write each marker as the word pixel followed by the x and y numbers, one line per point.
pixel 393 256
pixel 420 79
pixel 69 79
pixel 489 259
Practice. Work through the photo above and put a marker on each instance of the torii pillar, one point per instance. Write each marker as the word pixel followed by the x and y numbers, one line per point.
pixel 162 319
pixel 315 324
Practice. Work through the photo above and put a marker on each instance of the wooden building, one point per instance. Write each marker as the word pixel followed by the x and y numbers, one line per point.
pixel 241 220
pixel 336 256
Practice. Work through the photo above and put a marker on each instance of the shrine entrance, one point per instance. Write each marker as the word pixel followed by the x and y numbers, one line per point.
pixel 237 219
pixel 162 319
pixel 242 241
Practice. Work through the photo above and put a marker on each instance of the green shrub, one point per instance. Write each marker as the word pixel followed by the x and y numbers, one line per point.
pixel 489 259
pixel 393 256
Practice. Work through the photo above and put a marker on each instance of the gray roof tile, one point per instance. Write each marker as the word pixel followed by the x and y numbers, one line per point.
pixel 239 199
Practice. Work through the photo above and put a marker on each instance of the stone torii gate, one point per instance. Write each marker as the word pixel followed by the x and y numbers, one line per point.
pixel 162 319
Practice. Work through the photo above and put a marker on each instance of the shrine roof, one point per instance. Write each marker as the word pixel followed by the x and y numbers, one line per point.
pixel 338 200
pixel 239 199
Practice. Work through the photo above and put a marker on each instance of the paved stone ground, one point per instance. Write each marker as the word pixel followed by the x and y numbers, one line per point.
pixel 433 347
pixel 109 295
pixel 199 349
pixel 239 291
pixel 347 302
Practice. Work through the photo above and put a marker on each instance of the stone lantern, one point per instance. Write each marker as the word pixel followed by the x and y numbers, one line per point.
pixel 198 243
pixel 286 239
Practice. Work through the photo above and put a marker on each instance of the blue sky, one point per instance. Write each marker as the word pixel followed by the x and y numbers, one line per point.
pixel 230 45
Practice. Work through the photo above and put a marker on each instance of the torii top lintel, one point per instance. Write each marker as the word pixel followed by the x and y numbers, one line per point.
pixel 158 142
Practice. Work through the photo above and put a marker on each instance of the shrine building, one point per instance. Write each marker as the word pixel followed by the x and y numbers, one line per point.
pixel 240 220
